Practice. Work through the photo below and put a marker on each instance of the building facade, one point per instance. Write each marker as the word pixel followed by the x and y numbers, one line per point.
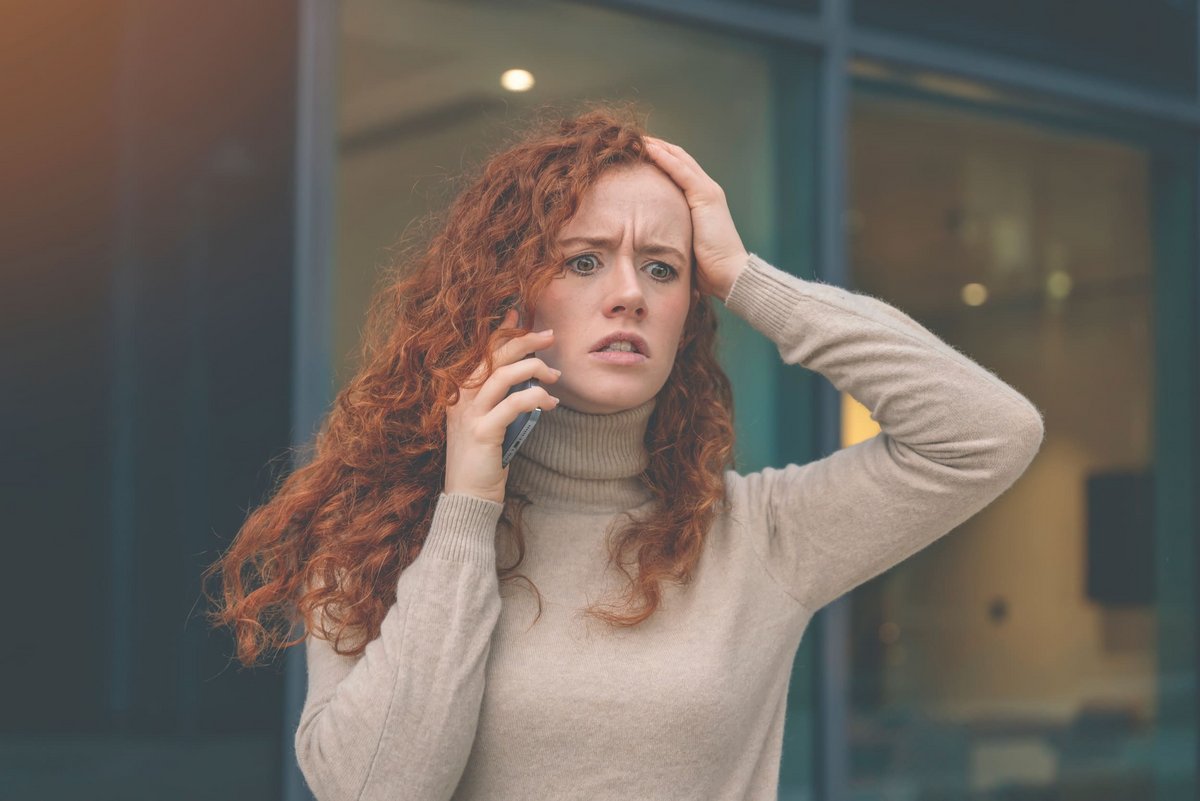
pixel 1020 179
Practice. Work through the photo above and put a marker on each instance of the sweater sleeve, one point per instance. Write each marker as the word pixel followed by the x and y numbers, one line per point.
pixel 399 720
pixel 953 437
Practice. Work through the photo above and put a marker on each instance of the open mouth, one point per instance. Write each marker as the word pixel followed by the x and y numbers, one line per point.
pixel 621 348
pixel 618 356
pixel 622 342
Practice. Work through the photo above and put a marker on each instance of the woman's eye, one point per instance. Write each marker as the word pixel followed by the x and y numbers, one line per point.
pixel 668 273
pixel 577 259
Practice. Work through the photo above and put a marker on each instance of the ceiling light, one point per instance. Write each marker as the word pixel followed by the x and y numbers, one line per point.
pixel 517 80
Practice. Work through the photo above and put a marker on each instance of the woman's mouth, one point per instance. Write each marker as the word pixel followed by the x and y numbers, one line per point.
pixel 618 356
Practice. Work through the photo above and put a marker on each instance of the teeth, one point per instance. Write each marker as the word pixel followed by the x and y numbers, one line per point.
pixel 620 345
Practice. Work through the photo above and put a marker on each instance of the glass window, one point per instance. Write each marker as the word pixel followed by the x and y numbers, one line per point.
pixel 1151 43
pixel 1040 650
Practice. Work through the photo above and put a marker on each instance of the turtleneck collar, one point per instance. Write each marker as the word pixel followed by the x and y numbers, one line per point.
pixel 585 462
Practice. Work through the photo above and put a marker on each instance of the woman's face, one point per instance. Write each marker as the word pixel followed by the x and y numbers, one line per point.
pixel 638 281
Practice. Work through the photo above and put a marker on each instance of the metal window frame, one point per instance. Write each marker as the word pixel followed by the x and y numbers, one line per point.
pixel 312 316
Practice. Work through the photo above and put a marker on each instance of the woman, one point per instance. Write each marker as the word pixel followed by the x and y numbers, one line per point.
pixel 428 676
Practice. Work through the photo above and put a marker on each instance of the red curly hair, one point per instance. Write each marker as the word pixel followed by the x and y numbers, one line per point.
pixel 336 534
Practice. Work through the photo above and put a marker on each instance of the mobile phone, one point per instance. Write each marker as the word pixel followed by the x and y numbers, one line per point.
pixel 518 430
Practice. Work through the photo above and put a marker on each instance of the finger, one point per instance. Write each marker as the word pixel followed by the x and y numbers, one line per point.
pixel 507 410
pixel 683 169
pixel 522 346
pixel 510 319
pixel 671 165
pixel 673 150
pixel 657 149
pixel 497 387
pixel 511 352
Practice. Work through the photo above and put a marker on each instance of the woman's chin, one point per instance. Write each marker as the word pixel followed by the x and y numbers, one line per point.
pixel 609 404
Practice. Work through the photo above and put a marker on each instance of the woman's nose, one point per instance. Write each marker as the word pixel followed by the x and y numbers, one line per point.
pixel 627 292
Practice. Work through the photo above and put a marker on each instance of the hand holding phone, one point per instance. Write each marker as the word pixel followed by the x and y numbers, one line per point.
pixel 490 422
pixel 516 431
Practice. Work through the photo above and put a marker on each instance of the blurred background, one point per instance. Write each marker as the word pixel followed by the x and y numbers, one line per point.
pixel 197 201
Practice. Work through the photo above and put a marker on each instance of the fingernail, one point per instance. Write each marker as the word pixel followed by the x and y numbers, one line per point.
pixel 556 371
pixel 547 332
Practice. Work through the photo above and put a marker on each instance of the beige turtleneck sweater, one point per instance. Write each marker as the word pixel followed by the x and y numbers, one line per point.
pixel 461 696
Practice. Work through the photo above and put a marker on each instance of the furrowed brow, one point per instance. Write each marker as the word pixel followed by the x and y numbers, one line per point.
pixel 601 242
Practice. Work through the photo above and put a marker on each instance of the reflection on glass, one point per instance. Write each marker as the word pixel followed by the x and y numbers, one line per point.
pixel 1019 657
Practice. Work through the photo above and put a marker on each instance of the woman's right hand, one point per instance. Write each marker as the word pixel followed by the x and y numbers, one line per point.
pixel 475 425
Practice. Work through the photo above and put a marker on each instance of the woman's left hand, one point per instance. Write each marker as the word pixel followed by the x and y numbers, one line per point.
pixel 720 255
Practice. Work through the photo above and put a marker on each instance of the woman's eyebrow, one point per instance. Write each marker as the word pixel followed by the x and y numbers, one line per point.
pixel 602 242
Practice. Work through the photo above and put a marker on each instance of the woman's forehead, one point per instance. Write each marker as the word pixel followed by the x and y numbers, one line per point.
pixel 654 215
